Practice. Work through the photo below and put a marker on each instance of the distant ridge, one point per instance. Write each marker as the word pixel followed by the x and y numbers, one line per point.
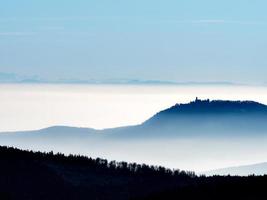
pixel 217 107
pixel 209 118
pixel 196 118
pixel 9 78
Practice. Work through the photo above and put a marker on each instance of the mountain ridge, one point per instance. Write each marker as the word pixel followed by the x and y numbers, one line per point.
pixel 198 112
pixel 217 106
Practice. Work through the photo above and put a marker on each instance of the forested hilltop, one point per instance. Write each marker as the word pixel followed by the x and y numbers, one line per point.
pixel 36 175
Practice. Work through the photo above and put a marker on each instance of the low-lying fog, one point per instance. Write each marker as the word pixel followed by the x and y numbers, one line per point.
pixel 189 154
pixel 28 107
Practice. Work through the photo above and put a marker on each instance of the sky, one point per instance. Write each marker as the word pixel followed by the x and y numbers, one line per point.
pixel 167 40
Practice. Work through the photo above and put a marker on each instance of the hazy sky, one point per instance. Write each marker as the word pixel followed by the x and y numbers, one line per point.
pixel 180 40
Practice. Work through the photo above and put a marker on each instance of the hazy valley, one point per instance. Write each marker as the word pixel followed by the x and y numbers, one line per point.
pixel 200 136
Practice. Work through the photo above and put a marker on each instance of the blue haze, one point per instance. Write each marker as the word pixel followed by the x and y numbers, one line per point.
pixel 148 40
pixel 201 136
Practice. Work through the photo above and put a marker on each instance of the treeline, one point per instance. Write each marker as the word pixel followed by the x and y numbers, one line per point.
pixel 36 175
pixel 96 164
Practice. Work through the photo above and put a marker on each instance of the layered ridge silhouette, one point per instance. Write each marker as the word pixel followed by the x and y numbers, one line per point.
pixel 183 133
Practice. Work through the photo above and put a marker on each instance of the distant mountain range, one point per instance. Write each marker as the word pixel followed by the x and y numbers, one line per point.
pixel 201 129
pixel 199 118
pixel 15 78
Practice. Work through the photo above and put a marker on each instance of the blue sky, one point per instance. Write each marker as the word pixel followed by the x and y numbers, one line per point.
pixel 175 40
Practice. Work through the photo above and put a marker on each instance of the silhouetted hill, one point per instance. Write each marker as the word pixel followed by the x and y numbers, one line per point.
pixel 202 118
pixel 217 107
pixel 29 175
pixel 197 118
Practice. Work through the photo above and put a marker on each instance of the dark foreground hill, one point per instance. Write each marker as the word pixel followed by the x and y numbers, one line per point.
pixel 29 175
